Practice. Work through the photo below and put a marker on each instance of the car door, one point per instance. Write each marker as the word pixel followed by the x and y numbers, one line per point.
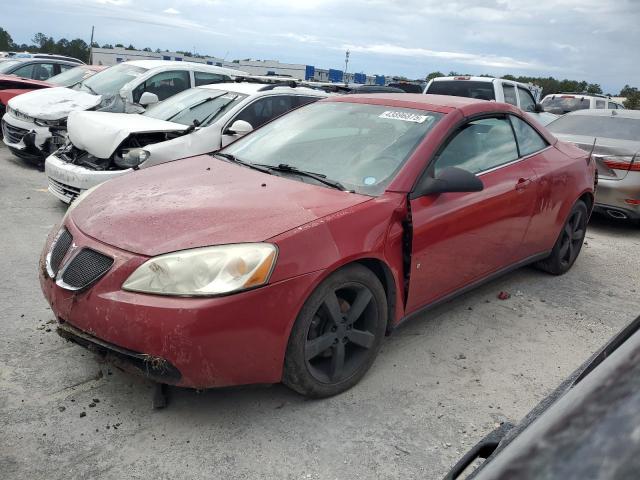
pixel 460 238
pixel 260 112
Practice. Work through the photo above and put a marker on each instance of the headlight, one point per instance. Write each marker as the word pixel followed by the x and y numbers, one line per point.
pixel 131 158
pixel 49 123
pixel 205 271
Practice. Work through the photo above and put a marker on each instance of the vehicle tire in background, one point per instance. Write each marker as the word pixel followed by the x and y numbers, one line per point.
pixel 337 334
pixel 569 242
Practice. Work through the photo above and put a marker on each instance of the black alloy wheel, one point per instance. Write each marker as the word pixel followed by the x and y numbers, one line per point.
pixel 569 243
pixel 337 334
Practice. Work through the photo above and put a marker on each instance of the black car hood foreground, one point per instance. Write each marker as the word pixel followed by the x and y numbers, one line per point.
pixel 588 428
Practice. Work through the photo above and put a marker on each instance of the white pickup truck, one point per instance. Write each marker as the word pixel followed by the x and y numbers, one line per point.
pixel 523 95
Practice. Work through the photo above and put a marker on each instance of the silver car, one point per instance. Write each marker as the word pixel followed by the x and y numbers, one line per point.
pixel 614 138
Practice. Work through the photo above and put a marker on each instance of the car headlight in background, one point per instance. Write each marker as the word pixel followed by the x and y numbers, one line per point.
pixel 131 158
pixel 205 271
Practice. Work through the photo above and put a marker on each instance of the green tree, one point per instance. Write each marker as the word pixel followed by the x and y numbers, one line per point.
pixel 633 101
pixel 433 75
pixel 130 47
pixel 594 88
pixel 6 42
pixel 628 91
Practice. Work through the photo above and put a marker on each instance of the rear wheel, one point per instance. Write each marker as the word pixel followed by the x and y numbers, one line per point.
pixel 569 243
pixel 337 334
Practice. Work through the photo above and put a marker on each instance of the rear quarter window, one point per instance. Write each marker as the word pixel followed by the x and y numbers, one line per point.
pixel 463 88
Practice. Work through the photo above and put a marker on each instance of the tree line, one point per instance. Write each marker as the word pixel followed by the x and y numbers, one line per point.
pixel 80 49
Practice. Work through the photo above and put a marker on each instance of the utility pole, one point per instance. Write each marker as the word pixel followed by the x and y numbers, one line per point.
pixel 91 47
pixel 346 65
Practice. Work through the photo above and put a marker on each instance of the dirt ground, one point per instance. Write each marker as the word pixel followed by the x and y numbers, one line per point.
pixel 440 383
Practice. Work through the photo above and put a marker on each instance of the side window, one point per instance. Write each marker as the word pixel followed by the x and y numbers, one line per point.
pixel 613 105
pixel 64 67
pixel 25 72
pixel 480 145
pixel 529 140
pixel 527 103
pixel 265 109
pixel 164 85
pixel 600 104
pixel 510 94
pixel 206 78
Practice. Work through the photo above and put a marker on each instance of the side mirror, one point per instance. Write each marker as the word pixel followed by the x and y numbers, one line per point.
pixel 239 127
pixel 538 108
pixel 148 98
pixel 450 179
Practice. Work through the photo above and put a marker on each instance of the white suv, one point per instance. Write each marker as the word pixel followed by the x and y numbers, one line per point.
pixel 523 95
pixel 35 122
pixel 105 145
pixel 561 103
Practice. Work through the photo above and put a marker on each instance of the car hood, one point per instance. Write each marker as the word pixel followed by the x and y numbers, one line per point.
pixel 53 103
pixel 100 133
pixel 201 201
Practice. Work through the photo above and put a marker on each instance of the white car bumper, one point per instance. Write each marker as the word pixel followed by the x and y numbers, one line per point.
pixel 22 134
pixel 67 181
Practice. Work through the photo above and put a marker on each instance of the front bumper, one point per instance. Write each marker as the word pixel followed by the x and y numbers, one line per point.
pixel 212 342
pixel 26 139
pixel 612 196
pixel 67 181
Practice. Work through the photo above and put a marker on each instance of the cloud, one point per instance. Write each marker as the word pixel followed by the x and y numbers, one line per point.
pixel 486 60
pixel 171 11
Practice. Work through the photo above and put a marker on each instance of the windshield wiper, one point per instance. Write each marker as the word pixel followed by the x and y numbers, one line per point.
pixel 195 105
pixel 319 177
pixel 206 119
pixel 234 159
pixel 90 89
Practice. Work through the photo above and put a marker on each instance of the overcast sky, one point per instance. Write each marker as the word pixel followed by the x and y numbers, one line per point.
pixel 594 40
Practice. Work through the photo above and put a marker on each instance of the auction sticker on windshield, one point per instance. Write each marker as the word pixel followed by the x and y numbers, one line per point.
pixel 404 116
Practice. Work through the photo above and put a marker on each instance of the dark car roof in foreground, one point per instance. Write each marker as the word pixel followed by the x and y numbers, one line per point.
pixel 590 429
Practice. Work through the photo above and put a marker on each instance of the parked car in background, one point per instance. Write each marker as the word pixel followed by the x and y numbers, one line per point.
pixel 35 122
pixel 354 88
pixel 409 87
pixel 561 103
pixel 587 428
pixel 10 85
pixel 197 272
pixel 199 120
pixel 40 67
pixel 614 138
pixel 521 95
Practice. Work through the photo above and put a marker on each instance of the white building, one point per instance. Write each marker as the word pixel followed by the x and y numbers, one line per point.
pixel 112 56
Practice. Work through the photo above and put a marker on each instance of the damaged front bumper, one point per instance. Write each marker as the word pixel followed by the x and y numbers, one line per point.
pixel 30 141
pixel 67 181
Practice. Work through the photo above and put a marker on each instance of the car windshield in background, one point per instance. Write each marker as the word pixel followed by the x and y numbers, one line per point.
pixel 111 80
pixel 8 65
pixel 463 88
pixel 361 146
pixel 565 104
pixel 609 126
pixel 199 105
pixel 71 76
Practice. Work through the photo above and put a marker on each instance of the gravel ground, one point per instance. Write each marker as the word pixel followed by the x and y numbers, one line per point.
pixel 441 382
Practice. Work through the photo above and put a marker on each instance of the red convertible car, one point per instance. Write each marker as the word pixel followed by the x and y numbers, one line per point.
pixel 288 255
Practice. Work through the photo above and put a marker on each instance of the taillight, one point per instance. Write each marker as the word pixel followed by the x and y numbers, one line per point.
pixel 625 163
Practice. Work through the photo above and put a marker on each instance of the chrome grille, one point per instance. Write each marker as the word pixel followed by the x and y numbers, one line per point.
pixel 58 250
pixel 66 190
pixel 84 269
pixel 13 134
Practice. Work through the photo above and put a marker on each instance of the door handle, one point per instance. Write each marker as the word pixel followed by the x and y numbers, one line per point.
pixel 523 183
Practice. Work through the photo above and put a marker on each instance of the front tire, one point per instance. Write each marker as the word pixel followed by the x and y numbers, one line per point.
pixel 569 242
pixel 337 334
